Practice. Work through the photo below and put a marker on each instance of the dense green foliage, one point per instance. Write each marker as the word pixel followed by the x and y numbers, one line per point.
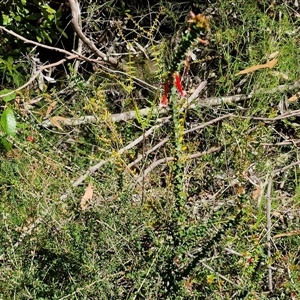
pixel 32 19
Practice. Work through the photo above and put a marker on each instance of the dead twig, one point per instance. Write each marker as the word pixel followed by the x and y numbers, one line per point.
pixel 129 115
pixel 75 22
pixel 283 169
pixel 201 126
pixel 96 167
pixel 140 157
pixel 220 275
pixel 158 162
pixel 34 76
pixel 286 234
pixel 269 227
pixel 80 42
pixel 35 43
pixel 198 102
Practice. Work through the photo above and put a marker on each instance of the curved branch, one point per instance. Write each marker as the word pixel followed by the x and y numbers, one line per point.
pixel 75 22
pixel 158 162
pixel 35 75
pixel 35 43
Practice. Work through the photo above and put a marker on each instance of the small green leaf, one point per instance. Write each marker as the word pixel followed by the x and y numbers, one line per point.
pixel 7 145
pixel 8 122
pixel 6 20
pixel 49 9
pixel 34 16
pixel 9 97
pixel 10 60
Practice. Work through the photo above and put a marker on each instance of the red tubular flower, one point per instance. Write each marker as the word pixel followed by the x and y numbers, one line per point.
pixel 179 85
pixel 164 99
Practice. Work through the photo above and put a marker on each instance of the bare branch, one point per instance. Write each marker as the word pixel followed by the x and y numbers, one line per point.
pixel 140 157
pixel 35 43
pixel 269 227
pixel 283 169
pixel 129 115
pixel 212 101
pixel 220 275
pixel 158 162
pixel 80 42
pixel 201 126
pixel 75 21
pixel 34 76
pixel 96 167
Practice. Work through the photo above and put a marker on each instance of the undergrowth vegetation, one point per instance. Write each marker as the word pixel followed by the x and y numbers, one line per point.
pixel 167 169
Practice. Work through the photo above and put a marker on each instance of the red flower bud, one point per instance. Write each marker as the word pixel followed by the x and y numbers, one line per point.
pixel 164 99
pixel 179 85
pixel 30 139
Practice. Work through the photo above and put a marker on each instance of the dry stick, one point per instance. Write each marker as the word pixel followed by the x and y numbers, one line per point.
pixel 75 21
pixel 220 275
pixel 289 114
pixel 129 115
pixel 140 157
pixel 194 95
pixel 280 170
pixel 96 167
pixel 35 43
pixel 212 101
pixel 285 234
pixel 170 158
pixel 34 76
pixel 31 227
pixel 201 126
pixel 80 42
pixel 286 142
pixel 269 227
pixel 161 143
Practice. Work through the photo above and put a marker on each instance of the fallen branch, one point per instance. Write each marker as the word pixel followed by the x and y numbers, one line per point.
pixel 140 157
pixel 198 102
pixel 269 228
pixel 158 162
pixel 129 115
pixel 80 42
pixel 96 167
pixel 36 74
pixel 75 22
pixel 35 43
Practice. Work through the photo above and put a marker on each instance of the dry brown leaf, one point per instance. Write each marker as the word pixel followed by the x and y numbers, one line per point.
pixel 278 215
pixel 294 232
pixel 256 193
pixel 280 74
pixel 239 190
pixel 88 195
pixel 55 121
pixel 50 108
pixel 26 227
pixel 269 64
pixel 294 97
pixel 273 55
